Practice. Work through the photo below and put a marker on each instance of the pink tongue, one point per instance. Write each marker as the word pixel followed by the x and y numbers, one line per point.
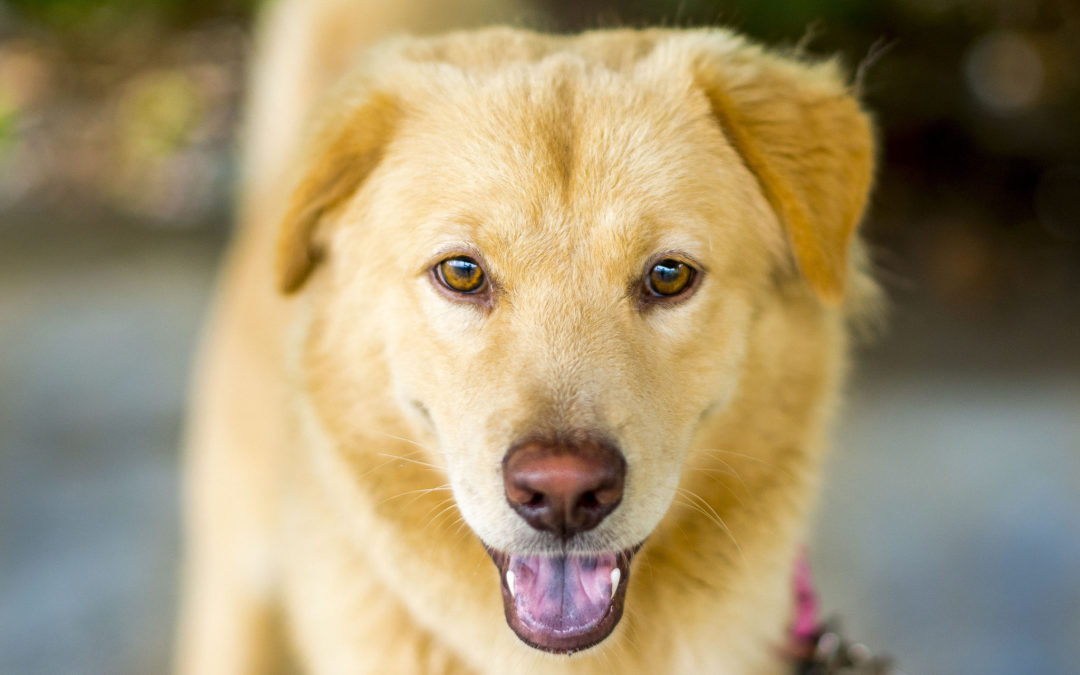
pixel 562 594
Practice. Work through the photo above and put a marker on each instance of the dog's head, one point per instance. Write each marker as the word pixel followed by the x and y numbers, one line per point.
pixel 550 254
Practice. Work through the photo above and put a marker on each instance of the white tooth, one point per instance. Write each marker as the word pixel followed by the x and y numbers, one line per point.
pixel 510 582
pixel 615 576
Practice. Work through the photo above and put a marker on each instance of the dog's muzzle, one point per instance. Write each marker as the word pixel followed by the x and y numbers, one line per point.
pixel 569 602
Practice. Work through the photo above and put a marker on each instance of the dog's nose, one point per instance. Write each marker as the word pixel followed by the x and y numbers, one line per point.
pixel 564 488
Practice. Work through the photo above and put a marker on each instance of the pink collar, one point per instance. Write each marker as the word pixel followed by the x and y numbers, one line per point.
pixel 817 647
pixel 806 624
pixel 806 627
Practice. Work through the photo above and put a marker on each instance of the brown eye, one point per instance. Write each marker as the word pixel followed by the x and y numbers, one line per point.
pixel 461 275
pixel 669 278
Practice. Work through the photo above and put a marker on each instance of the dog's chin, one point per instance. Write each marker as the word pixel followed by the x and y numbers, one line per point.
pixel 563 603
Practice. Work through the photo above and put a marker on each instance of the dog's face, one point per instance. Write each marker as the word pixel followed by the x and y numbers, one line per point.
pixel 559 265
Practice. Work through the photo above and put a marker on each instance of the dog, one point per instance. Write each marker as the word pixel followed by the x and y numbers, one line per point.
pixel 525 353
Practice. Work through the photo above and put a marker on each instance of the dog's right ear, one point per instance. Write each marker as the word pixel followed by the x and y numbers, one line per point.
pixel 802 133
pixel 345 150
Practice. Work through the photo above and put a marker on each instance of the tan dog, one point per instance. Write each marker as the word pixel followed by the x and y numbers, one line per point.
pixel 575 305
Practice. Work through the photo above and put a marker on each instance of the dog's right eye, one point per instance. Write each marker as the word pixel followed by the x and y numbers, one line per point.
pixel 668 279
pixel 461 275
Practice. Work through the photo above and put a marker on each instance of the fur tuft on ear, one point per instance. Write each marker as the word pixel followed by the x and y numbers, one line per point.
pixel 803 135
pixel 341 156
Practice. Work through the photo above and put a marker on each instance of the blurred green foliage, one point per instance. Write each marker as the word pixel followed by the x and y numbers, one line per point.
pixel 70 15
pixel 160 110
pixel 9 118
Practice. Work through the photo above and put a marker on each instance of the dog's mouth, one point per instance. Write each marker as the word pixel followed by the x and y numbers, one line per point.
pixel 563 603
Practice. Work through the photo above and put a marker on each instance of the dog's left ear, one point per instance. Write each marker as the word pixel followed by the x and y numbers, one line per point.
pixel 803 135
pixel 343 153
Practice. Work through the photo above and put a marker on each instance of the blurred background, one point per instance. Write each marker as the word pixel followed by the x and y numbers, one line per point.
pixel 949 533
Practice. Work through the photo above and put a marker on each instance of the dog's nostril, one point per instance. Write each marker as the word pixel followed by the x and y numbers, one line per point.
pixel 564 488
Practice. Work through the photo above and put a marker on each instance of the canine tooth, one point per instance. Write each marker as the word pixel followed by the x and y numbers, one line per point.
pixel 615 576
pixel 510 582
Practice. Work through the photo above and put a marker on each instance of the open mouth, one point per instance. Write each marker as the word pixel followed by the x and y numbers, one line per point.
pixel 563 603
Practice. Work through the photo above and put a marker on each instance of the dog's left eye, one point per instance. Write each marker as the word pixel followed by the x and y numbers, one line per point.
pixel 669 278
pixel 461 275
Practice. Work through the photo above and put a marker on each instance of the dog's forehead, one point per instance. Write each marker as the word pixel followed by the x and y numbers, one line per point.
pixel 567 154
pixel 566 124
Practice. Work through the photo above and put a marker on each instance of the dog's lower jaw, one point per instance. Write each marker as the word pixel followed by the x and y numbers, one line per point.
pixel 563 604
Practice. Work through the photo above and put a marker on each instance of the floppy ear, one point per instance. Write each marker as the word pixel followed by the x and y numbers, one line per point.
pixel 804 137
pixel 343 153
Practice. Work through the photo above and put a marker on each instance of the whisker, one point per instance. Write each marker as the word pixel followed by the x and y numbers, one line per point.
pixel 420 492
pixel 406 440
pixel 631 637
pixel 379 466
pixel 728 466
pixel 461 527
pixel 440 514
pixel 730 488
pixel 708 510
pixel 425 518
pixel 391 458
pixel 406 458
pixel 725 471
pixel 725 451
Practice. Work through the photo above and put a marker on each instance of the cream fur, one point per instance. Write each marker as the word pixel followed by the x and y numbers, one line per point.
pixel 349 420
